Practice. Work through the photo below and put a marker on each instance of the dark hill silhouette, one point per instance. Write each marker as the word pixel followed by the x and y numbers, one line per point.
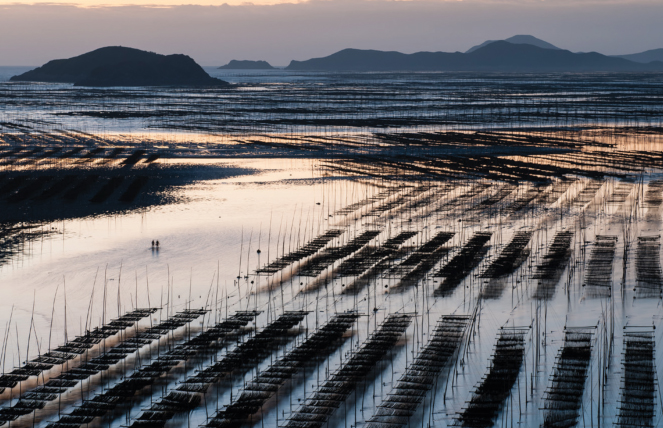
pixel 247 65
pixel 372 60
pixel 644 57
pixel 504 56
pixel 498 56
pixel 120 66
pixel 518 40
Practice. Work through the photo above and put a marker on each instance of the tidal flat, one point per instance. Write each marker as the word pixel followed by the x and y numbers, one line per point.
pixel 365 249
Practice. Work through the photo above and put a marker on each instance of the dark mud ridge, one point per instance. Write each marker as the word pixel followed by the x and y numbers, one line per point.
pixel 120 66
pixel 246 65
pixel 75 190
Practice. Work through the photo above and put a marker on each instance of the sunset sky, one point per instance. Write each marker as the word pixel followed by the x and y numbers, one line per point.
pixel 214 32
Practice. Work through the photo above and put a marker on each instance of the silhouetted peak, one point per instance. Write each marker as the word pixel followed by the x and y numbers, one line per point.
pixel 521 39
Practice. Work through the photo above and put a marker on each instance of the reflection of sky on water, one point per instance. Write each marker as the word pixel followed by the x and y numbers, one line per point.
pixel 216 219
pixel 195 234
pixel 219 225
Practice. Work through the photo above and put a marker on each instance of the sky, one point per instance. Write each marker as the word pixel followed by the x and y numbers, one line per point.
pixel 214 32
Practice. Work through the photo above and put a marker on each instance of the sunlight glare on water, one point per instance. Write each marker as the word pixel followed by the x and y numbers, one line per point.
pixel 212 221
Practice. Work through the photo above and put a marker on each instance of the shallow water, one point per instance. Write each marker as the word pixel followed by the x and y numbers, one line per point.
pixel 204 229
pixel 284 102
pixel 221 224
pixel 210 228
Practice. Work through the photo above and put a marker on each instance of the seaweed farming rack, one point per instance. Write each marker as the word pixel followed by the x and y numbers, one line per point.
pixel 489 397
pixel 267 384
pixel 72 349
pixel 324 402
pixel 564 397
pixel 421 376
pixel 637 403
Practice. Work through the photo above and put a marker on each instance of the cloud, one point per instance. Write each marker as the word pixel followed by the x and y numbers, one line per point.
pixel 34 34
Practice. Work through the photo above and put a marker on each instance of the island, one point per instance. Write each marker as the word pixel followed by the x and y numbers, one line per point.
pixel 247 65
pixel 122 66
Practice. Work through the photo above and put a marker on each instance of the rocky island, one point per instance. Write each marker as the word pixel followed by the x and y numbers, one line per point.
pixel 122 66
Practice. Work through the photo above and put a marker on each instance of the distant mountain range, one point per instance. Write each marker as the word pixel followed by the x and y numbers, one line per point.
pixel 644 57
pixel 246 65
pixel 121 66
pixel 499 56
